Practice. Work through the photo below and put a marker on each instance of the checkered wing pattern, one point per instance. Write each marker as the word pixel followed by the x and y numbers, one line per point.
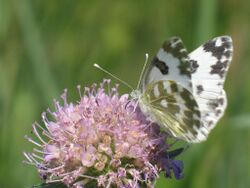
pixel 210 63
pixel 170 63
pixel 184 92
pixel 174 108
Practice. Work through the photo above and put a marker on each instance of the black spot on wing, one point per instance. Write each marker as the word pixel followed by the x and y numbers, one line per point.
pixel 210 123
pixel 174 88
pixel 188 126
pixel 194 65
pixel 219 68
pixel 221 101
pixel 176 48
pixel 228 54
pixel 162 66
pixel 217 51
pixel 223 49
pixel 220 84
pixel 199 89
pixel 173 108
pixel 214 104
pixel 188 113
pixel 189 100
pixel 220 50
pixel 185 69
pixel 224 39
pixel 197 123
pixel 218 112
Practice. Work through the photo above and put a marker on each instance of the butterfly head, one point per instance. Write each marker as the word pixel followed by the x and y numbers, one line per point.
pixel 136 94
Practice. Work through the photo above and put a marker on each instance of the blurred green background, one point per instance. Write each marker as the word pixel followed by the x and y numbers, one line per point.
pixel 46 46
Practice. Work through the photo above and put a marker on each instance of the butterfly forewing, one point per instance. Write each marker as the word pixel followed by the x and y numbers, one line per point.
pixel 210 63
pixel 173 107
pixel 170 63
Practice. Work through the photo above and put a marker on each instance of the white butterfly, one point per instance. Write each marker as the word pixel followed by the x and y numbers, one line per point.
pixel 182 92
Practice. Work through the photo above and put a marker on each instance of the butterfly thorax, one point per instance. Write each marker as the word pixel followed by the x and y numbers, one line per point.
pixel 136 94
pixel 140 98
pixel 143 101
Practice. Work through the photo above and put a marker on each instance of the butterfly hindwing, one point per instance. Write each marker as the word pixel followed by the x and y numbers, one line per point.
pixel 170 63
pixel 210 64
pixel 174 108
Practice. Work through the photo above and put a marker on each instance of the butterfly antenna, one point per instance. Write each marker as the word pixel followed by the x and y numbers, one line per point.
pixel 143 69
pixel 113 76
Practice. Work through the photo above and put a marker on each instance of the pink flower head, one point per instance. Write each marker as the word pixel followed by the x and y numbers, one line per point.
pixel 103 139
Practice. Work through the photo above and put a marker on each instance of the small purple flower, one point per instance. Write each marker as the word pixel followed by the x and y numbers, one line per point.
pixel 178 166
pixel 102 140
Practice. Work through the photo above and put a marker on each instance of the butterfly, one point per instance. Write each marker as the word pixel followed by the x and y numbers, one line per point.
pixel 183 92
